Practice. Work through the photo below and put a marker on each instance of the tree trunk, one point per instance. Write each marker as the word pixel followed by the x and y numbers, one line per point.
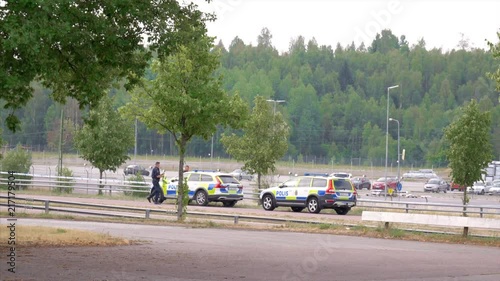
pixel 465 201
pixel 180 189
pixel 101 186
pixel 258 180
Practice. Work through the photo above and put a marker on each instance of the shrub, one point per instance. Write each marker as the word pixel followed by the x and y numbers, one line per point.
pixel 65 185
pixel 137 181
pixel 18 160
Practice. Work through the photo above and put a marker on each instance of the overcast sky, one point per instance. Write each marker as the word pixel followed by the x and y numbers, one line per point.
pixel 439 22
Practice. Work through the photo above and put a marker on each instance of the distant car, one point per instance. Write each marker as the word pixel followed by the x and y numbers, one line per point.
pixel 361 183
pixel 456 186
pixel 495 188
pixel 135 169
pixel 436 185
pixel 342 175
pixel 379 184
pixel 241 175
pixel 480 187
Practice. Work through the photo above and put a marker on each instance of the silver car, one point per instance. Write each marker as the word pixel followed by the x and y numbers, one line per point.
pixel 241 175
pixel 436 185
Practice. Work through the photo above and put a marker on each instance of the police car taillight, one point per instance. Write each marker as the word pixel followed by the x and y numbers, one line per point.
pixel 330 189
pixel 218 184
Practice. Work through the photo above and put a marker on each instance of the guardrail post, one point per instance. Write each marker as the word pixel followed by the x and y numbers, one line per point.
pixel 386 225
pixel 147 213
pixel 47 206
pixel 407 206
pixel 481 212
pixel 236 219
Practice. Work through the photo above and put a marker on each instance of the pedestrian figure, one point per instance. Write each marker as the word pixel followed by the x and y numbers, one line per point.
pixel 157 192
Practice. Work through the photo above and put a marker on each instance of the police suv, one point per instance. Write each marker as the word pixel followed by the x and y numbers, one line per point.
pixel 312 191
pixel 209 186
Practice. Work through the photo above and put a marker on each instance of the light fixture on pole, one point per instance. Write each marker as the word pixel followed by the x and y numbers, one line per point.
pixel 387 138
pixel 397 121
pixel 275 102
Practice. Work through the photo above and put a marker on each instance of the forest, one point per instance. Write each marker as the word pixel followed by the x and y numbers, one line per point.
pixel 333 98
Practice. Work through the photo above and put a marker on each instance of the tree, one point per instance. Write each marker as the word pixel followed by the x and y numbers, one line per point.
pixel 470 149
pixel 495 51
pixel 264 140
pixel 105 143
pixel 78 48
pixel 186 100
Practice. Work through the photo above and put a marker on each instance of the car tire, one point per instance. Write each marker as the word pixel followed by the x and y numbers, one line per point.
pixel 201 198
pixel 229 203
pixel 342 211
pixel 297 209
pixel 313 205
pixel 482 192
pixel 268 202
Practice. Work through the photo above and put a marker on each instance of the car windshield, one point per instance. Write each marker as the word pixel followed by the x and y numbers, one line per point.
pixel 383 179
pixel 342 185
pixel 434 181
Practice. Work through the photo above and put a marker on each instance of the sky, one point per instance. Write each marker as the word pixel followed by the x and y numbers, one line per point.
pixel 440 23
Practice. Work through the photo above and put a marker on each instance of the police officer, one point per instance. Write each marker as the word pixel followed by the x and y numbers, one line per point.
pixel 157 192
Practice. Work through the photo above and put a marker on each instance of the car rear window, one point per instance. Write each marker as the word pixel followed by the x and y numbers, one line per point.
pixel 228 179
pixel 342 185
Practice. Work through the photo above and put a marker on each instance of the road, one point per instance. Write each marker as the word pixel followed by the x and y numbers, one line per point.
pixel 180 253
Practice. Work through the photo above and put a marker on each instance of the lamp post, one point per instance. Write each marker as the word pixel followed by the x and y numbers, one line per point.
pixel 387 138
pixel 275 102
pixel 397 121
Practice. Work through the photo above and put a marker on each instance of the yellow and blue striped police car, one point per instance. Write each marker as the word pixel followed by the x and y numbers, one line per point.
pixel 208 186
pixel 312 191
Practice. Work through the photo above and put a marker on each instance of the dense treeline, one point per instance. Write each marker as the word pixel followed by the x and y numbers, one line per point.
pixel 335 99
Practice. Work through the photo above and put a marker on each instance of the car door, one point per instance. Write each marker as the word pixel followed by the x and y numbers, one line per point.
pixel 193 181
pixel 285 191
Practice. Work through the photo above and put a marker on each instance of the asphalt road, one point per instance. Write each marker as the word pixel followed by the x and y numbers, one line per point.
pixel 180 253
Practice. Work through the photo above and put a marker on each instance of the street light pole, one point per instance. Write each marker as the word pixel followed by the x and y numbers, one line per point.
pixel 275 102
pixel 387 138
pixel 397 121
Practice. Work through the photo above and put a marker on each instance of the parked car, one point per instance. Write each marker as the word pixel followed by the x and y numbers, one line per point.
pixel 436 185
pixel 480 187
pixel 456 186
pixel 379 184
pixel 312 192
pixel 495 187
pixel 241 175
pixel 207 186
pixel 135 169
pixel 361 183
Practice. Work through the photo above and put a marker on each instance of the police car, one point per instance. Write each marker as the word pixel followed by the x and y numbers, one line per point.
pixel 312 191
pixel 209 186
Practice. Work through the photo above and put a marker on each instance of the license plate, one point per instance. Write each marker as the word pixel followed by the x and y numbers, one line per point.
pixel 343 194
pixel 232 188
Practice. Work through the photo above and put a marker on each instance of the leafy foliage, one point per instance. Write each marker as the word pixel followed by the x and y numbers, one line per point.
pixel 18 160
pixel 137 182
pixel 79 48
pixel 264 140
pixel 65 184
pixel 470 148
pixel 105 144
pixel 495 50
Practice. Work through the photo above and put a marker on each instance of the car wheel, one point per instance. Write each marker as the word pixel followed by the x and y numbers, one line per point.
pixel 201 198
pixel 268 202
pixel 313 205
pixel 342 211
pixel 297 209
pixel 229 203
pixel 482 192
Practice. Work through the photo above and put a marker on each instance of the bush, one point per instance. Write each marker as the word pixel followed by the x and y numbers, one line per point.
pixel 18 160
pixel 65 185
pixel 137 181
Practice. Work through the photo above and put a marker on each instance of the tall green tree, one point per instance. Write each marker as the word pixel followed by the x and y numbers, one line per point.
pixel 106 142
pixel 495 51
pixel 470 148
pixel 78 48
pixel 264 140
pixel 186 99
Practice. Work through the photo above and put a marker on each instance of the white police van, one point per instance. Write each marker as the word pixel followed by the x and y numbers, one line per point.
pixel 312 191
